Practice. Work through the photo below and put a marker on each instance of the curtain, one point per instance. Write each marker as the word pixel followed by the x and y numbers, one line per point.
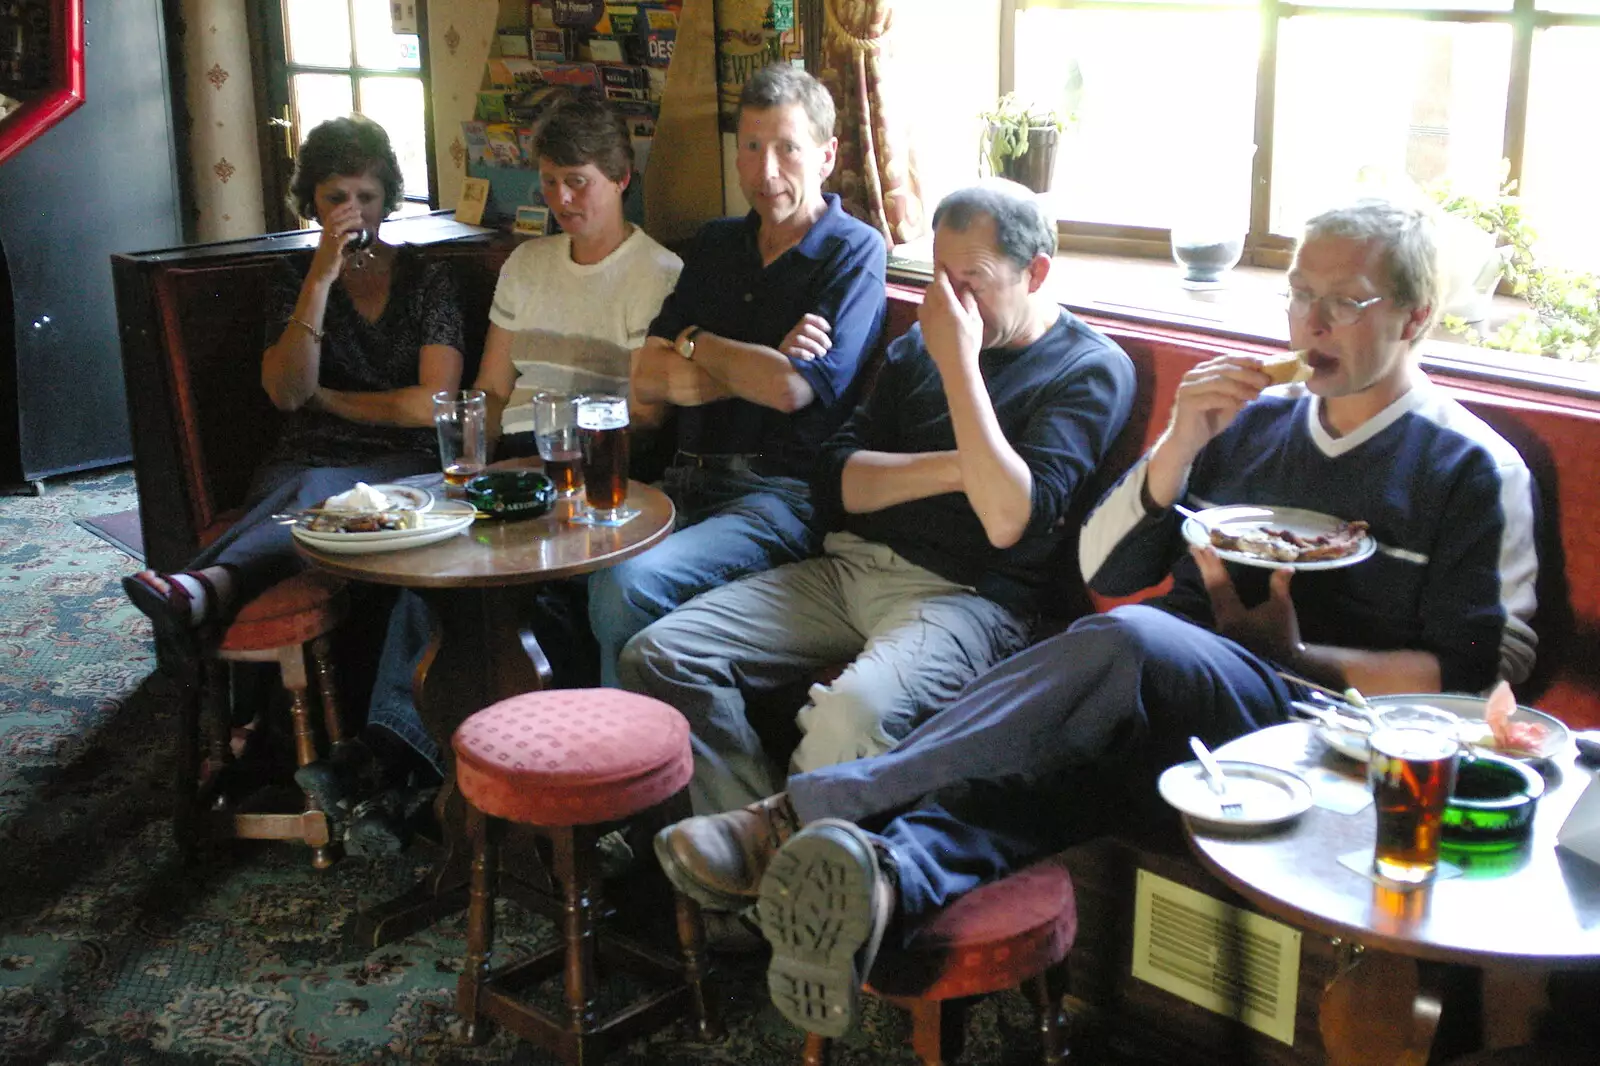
pixel 874 175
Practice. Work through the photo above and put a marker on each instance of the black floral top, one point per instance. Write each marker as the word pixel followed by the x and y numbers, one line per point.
pixel 362 356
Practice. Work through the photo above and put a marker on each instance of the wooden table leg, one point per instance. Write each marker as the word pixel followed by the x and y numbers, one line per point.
pixel 1388 1010
pixel 482 652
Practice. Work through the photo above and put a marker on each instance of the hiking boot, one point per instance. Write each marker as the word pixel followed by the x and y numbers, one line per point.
pixel 717 860
pixel 826 900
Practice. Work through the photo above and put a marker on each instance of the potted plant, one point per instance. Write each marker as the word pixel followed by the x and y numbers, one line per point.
pixel 1563 316
pixel 1019 141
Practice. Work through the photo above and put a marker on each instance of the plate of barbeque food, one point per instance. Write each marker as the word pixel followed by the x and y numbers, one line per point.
pixel 1496 723
pixel 1280 536
pixel 341 532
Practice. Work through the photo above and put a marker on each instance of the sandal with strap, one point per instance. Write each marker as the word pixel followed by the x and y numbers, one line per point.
pixel 179 640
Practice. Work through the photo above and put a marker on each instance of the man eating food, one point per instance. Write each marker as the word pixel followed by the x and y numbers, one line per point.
pixel 1048 747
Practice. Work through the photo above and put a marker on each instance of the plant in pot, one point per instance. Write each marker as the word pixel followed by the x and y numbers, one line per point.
pixel 1020 139
pixel 1563 316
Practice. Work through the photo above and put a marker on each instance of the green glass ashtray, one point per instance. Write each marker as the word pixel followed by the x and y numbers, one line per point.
pixel 511 493
pixel 1493 802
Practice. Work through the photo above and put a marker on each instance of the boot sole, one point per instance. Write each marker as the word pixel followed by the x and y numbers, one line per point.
pixel 682 881
pixel 816 912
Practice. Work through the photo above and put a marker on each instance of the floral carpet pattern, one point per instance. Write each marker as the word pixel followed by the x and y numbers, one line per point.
pixel 114 952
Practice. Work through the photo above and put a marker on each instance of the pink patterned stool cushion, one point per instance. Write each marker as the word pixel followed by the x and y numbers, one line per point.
pixel 572 756
pixel 993 938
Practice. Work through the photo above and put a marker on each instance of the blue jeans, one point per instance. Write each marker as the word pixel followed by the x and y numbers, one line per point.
pixel 260 550
pixel 1052 747
pixel 730 524
pixel 737 524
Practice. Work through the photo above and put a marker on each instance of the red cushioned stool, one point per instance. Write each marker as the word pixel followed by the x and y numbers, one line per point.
pixel 566 763
pixel 279 626
pixel 1015 932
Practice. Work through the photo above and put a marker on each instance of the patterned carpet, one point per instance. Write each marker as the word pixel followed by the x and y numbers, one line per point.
pixel 113 952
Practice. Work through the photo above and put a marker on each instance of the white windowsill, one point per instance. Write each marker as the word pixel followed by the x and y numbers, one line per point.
pixel 1250 307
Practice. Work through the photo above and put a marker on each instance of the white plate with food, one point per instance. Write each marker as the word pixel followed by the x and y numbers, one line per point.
pixel 364 497
pixel 1525 734
pixel 1280 536
pixel 1265 795
pixel 344 535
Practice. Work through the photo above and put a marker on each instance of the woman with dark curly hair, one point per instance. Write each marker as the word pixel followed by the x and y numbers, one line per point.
pixel 357 343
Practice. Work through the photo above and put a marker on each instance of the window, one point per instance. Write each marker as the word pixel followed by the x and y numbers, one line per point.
pixel 1181 103
pixel 342 56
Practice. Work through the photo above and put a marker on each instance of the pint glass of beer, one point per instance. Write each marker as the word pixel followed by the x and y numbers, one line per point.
pixel 603 431
pixel 555 426
pixel 1412 772
pixel 463 445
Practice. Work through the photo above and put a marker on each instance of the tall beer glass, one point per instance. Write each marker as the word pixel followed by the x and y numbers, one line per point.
pixel 603 431
pixel 1412 771
pixel 555 427
pixel 459 418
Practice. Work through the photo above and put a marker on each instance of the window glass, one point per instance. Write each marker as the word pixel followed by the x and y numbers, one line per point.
pixel 1158 95
pixel 378 47
pixel 948 79
pixel 1424 5
pixel 1427 102
pixel 396 105
pixel 317 98
pixel 318 33
pixel 1559 160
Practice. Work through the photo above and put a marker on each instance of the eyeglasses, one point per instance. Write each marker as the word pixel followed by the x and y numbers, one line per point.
pixel 1338 310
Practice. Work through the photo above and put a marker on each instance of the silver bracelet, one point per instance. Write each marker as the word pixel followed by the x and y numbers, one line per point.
pixel 316 334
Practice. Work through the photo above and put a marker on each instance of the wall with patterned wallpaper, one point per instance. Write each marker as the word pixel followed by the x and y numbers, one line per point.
pixel 459 32
pixel 219 114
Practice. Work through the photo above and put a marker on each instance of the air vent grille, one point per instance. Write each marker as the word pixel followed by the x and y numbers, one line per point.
pixel 1224 959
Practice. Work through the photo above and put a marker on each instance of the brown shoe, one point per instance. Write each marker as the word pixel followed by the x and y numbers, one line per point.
pixel 717 860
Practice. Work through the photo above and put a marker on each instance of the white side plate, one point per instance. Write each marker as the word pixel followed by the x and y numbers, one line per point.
pixel 1467 708
pixel 1266 795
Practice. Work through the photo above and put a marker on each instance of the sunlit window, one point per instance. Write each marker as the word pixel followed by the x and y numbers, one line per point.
pixel 343 57
pixel 1184 100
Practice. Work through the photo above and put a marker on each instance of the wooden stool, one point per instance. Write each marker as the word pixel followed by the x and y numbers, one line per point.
pixel 565 763
pixel 1013 932
pixel 275 627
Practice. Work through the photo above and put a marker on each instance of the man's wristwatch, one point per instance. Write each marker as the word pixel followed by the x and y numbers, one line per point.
pixel 686 345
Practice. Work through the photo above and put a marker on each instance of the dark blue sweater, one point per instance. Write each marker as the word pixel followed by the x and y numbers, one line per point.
pixel 1060 402
pixel 1449 502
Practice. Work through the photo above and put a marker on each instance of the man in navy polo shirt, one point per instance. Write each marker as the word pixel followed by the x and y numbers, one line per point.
pixel 754 355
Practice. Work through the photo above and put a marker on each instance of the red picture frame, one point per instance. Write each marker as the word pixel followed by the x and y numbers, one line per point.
pixel 66 91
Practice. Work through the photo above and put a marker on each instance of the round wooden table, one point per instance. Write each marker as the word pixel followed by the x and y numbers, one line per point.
pixel 1535 905
pixel 482 649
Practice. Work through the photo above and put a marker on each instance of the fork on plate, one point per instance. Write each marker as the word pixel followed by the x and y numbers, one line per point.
pixel 1215 778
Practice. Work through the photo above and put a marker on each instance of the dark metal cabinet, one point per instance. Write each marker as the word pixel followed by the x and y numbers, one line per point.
pixel 103 180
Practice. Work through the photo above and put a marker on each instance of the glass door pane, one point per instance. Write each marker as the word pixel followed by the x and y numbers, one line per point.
pixel 1558 161
pixel 377 46
pixel 396 105
pixel 1429 104
pixel 317 98
pixel 318 32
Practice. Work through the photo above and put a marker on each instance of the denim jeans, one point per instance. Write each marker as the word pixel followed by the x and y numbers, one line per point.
pixel 730 524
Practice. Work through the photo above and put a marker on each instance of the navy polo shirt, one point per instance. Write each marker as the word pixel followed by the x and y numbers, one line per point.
pixel 835 272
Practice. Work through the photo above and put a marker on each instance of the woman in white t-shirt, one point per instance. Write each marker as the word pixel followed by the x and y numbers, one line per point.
pixel 570 308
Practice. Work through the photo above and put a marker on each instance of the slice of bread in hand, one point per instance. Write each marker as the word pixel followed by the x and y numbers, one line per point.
pixel 1286 368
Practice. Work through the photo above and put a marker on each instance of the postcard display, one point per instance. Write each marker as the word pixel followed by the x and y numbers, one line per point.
pixel 619 49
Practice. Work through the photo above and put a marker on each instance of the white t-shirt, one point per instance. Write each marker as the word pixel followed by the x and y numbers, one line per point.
pixel 575 325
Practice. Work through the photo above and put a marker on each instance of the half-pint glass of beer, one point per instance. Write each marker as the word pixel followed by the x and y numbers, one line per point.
pixel 603 431
pixel 555 427
pixel 1412 771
